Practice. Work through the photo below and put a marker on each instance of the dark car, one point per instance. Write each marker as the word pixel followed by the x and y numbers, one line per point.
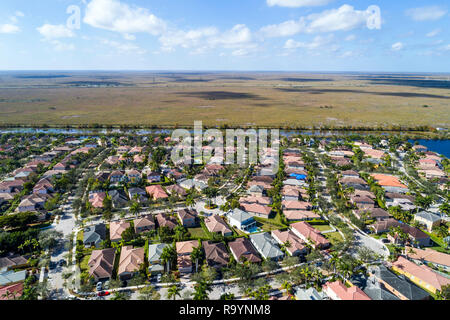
pixel 62 263
pixel 52 265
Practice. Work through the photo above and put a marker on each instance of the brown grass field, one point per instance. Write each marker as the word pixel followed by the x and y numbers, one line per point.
pixel 235 99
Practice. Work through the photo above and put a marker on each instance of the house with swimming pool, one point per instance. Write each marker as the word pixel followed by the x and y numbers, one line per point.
pixel 242 220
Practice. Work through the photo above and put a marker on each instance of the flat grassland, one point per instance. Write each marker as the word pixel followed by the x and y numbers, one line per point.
pixel 235 99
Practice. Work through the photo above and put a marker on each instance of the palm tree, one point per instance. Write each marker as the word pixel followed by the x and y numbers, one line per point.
pixel 168 254
pixel 173 292
pixel 196 255
pixel 135 207
pixel 286 245
pixel 287 286
pixel 201 290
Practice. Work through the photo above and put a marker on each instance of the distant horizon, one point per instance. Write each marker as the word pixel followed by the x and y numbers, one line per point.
pixel 228 71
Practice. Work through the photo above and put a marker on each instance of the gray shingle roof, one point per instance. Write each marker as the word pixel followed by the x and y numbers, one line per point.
pixel 266 245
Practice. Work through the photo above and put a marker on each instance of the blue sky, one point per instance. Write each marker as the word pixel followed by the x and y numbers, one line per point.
pixel 287 35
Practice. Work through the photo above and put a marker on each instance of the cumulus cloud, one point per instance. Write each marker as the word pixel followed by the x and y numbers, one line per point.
pixel 317 42
pixel 397 46
pixel 285 29
pixel 51 31
pixel 117 16
pixel 344 18
pixel 9 28
pixel 429 13
pixel 239 38
pixel 297 3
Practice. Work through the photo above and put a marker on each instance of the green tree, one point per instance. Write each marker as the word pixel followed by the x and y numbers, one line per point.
pixel 173 292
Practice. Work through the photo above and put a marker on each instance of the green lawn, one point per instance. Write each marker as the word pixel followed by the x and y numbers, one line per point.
pixel 334 237
pixel 322 227
pixel 84 263
pixel 198 233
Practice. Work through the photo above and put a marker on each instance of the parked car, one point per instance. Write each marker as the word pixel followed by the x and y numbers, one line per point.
pixel 99 286
pixel 158 278
pixel 103 293
pixel 52 265
pixel 106 286
pixel 62 263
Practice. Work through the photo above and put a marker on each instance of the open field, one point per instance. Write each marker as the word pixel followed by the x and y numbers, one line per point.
pixel 219 99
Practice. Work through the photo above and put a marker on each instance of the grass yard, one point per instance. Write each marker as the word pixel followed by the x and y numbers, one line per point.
pixel 198 233
pixel 322 228
pixel 334 237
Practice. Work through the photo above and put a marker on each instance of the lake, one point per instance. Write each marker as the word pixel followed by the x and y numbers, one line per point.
pixel 439 146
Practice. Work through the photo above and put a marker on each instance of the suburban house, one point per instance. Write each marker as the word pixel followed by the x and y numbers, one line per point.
pixel 266 246
pixel 354 182
pixel 8 277
pixel 398 285
pixel 309 234
pixel 384 225
pixel 144 224
pixel 166 221
pixel 296 205
pixel 339 291
pixel 242 248
pixel 429 219
pixel 188 218
pixel 406 202
pixel 184 250
pixel 116 228
pixel 116 176
pixel 216 254
pixel 101 264
pixel 154 258
pixel 242 220
pixel 130 262
pixel 94 235
pixel 176 190
pixel 137 193
pixel 257 209
pixel 374 213
pixel 96 199
pixel 133 175
pixel 13 261
pixel 118 198
pixel 156 192
pixel 215 224
pixel 427 256
pixel 296 245
pixel 300 215
pixel 11 292
pixel 421 275
pixel 416 236
pixel 390 183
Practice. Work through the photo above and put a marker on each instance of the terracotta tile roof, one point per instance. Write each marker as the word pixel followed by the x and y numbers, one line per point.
pixel 295 205
pixel 186 247
pixel 116 228
pixel 130 259
pixel 166 221
pixel 216 254
pixel 300 215
pixel 157 192
pixel 385 180
pixel 242 247
pixel 101 263
pixel 282 237
pixel 429 255
pixel 215 224
pixel 256 208
pixel 344 293
pixel 422 272
pixel 308 232
pixel 10 292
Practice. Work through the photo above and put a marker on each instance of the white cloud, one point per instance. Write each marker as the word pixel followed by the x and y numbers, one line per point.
pixel 426 13
pixel 317 42
pixel 203 39
pixel 50 31
pixel 285 29
pixel 433 33
pixel 297 3
pixel 114 15
pixel 344 18
pixel 397 46
pixel 9 28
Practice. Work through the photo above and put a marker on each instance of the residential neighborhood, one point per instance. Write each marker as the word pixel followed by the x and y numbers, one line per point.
pixel 113 217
